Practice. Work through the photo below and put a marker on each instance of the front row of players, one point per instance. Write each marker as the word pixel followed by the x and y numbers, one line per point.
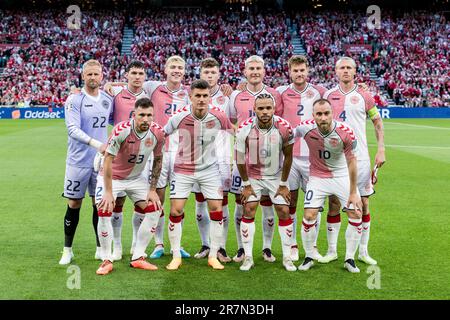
pixel 263 156
pixel 130 146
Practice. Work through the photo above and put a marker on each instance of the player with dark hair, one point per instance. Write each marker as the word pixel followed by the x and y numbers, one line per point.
pixel 240 108
pixel 298 98
pixel 130 145
pixel 264 158
pixel 196 126
pixel 353 105
pixel 210 72
pixel 333 172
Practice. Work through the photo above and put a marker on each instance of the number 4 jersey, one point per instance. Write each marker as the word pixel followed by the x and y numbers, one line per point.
pixel 328 154
pixel 132 149
pixel 352 108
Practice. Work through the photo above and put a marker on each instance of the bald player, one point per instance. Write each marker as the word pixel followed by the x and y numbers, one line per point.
pixel 333 172
pixel 87 117
pixel 353 105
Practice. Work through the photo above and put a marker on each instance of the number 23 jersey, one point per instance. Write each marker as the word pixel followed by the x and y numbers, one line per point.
pixel 132 149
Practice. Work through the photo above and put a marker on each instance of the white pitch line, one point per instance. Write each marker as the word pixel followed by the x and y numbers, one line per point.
pixel 417 125
pixel 418 147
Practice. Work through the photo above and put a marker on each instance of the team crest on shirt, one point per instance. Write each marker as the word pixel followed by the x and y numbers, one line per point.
pixel 105 104
pixel 148 142
pixel 210 124
pixel 309 94
pixel 181 94
pixel 334 142
pixel 112 143
pixel 354 99
pixel 220 100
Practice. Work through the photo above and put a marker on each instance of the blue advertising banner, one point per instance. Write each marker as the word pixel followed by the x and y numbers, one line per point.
pixel 386 113
pixel 424 112
pixel 32 113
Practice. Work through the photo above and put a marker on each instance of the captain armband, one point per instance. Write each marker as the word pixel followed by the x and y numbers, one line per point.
pixel 373 113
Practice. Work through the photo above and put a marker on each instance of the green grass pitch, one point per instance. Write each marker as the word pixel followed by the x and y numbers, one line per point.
pixel 410 231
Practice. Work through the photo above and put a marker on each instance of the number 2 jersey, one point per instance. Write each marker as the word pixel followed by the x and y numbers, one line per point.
pixel 86 117
pixel 298 107
pixel 132 149
pixel 328 154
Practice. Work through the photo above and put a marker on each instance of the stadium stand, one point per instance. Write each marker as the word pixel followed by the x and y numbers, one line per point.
pixel 406 61
pixel 43 71
pixel 409 53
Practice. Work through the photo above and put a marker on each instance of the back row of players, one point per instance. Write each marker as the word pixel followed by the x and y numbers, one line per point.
pixel 189 158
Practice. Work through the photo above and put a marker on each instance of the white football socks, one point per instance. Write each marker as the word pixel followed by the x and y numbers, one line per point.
pixel 175 232
pixel 365 235
pixel 159 235
pixel 248 234
pixel 203 221
pixel 352 237
pixel 145 233
pixel 137 219
pixel 268 216
pixel 285 228
pixel 293 215
pixel 216 232
pixel 117 221
pixel 333 227
pixel 319 216
pixel 105 236
pixel 226 223
pixel 308 235
pixel 238 212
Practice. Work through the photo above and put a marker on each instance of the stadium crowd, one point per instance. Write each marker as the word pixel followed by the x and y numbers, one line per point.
pixel 409 53
pixel 44 72
pixel 200 34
